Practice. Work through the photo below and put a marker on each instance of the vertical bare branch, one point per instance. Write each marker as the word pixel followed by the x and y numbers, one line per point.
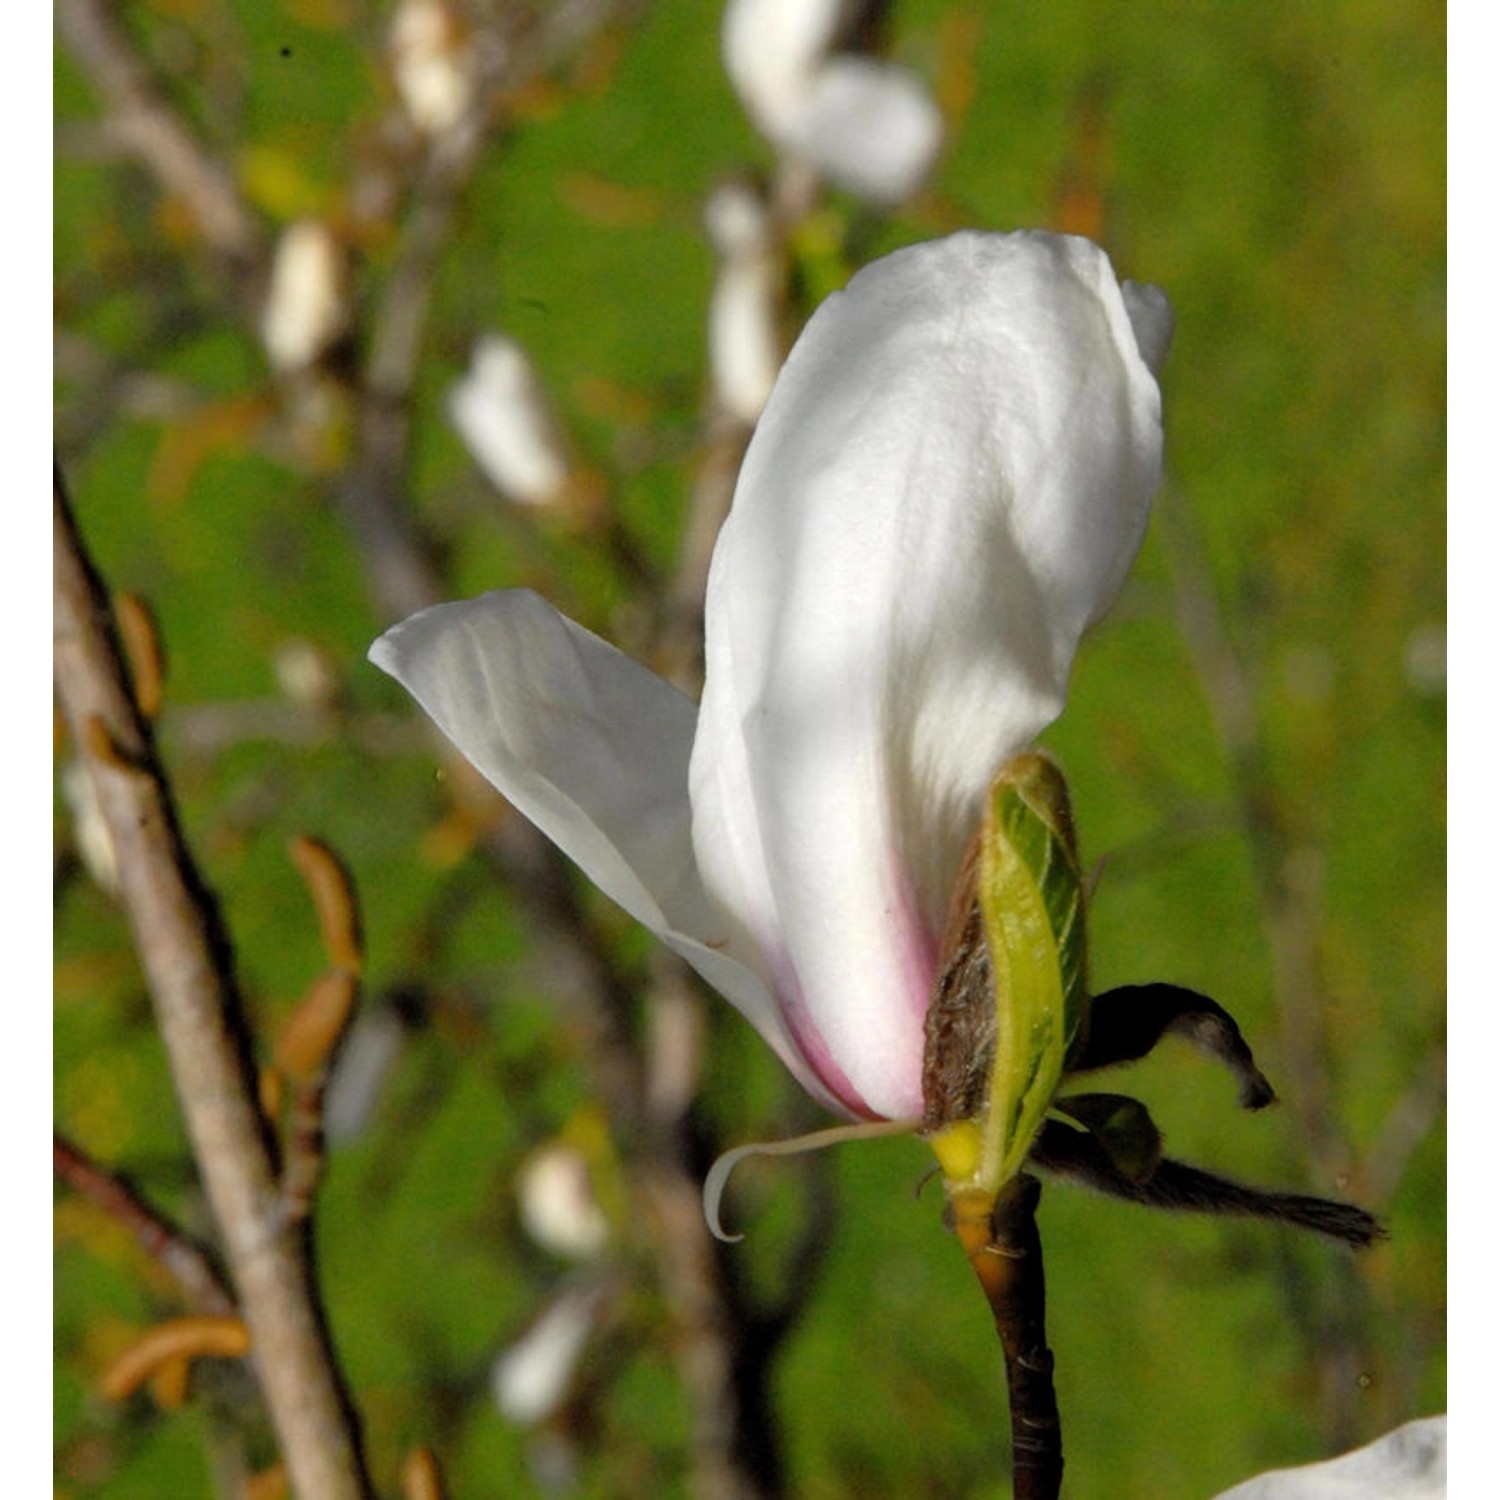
pixel 188 966
pixel 145 124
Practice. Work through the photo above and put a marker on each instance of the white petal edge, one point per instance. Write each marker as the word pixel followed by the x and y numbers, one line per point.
pixel 592 748
pixel 1410 1463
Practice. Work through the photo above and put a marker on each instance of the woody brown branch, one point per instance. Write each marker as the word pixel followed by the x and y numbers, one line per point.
pixel 1005 1251
pixel 189 970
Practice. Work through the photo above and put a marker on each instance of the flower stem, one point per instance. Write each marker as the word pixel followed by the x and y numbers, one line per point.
pixel 1000 1238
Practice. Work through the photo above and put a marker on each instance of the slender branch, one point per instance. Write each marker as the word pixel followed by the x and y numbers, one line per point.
pixel 1288 875
pixel 182 1256
pixel 188 965
pixel 1001 1241
pixel 146 123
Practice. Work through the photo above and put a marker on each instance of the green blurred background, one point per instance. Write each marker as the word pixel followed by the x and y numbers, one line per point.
pixel 1255 739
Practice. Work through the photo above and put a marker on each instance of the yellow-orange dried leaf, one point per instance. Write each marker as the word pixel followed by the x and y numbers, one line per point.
pixel 332 892
pixel 169 1385
pixel 313 1029
pixel 272 1093
pixel 142 642
pixel 180 1339
pixel 421 1478
pixel 269 1484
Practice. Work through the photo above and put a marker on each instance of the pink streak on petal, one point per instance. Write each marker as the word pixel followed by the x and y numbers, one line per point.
pixel 809 1039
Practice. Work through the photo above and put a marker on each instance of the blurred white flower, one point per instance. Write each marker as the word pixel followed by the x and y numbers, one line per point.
pixel 744 346
pixel 558 1206
pixel 530 1379
pixel 870 127
pixel 432 61
pixel 501 412
pixel 307 304
pixel 1410 1463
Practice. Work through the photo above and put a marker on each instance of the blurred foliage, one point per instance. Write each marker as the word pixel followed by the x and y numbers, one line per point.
pixel 1277 167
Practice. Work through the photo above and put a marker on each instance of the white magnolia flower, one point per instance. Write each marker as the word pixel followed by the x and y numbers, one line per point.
pixel 1410 1463
pixel 947 486
pixel 868 126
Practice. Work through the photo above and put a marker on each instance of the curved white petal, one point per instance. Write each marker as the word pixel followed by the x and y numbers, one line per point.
pixel 593 749
pixel 869 127
pixel 1410 1463
pixel 947 486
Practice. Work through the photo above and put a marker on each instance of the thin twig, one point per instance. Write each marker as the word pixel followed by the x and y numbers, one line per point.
pixel 186 956
pixel 190 1264
pixel 1288 874
pixel 143 121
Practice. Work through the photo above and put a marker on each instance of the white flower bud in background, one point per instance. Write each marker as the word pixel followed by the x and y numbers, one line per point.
pixel 744 345
pixel 363 1063
pixel 305 673
pixel 501 412
pixel 871 128
pixel 90 832
pixel 558 1206
pixel 530 1379
pixel 1426 660
pixel 772 48
pixel 868 126
pixel 432 62
pixel 307 305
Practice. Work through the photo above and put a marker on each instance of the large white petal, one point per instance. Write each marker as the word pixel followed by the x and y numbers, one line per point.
pixel 593 749
pixel 947 486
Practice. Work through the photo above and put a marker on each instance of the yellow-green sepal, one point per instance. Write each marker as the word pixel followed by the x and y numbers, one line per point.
pixel 1030 894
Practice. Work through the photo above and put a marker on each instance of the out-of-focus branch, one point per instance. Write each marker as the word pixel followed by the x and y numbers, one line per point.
pixel 1288 876
pixel 188 966
pixel 186 1260
pixel 145 123
pixel 1286 872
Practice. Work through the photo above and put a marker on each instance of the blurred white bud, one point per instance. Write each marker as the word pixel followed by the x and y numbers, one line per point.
pixel 744 346
pixel 432 61
pixel 869 127
pixel 772 48
pixel 531 1378
pixel 1427 660
pixel 90 831
pixel 304 673
pixel 361 1067
pixel 500 411
pixel 307 304
pixel 558 1206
